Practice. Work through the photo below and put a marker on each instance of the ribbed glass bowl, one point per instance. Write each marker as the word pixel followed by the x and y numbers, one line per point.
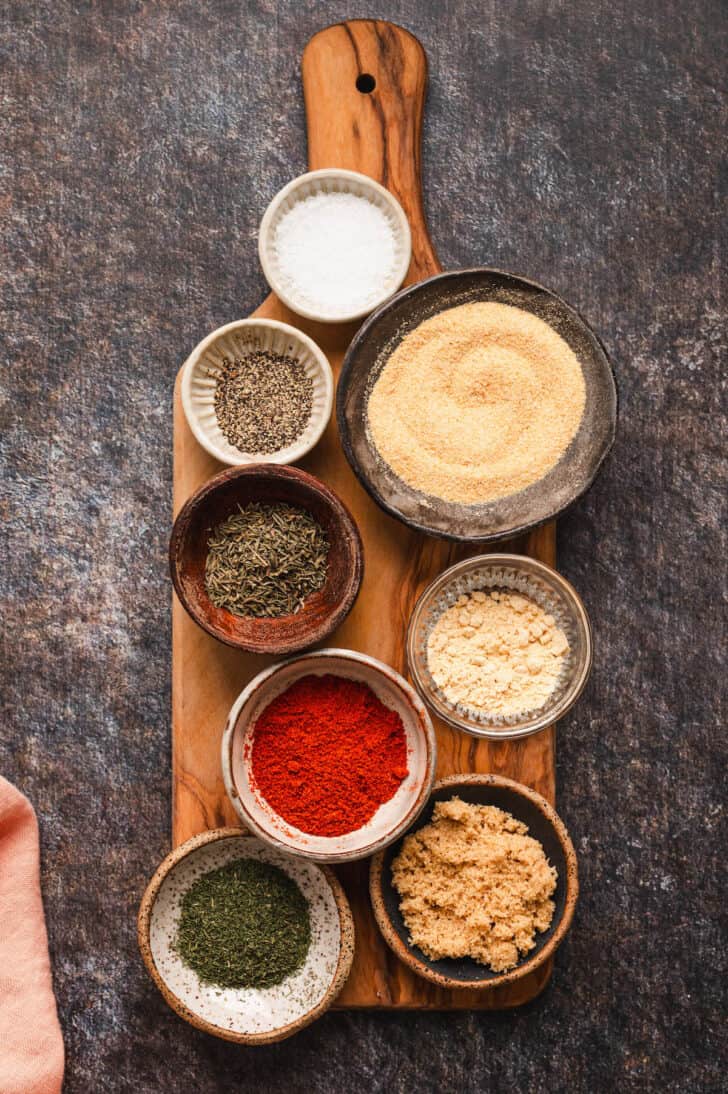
pixel 518 574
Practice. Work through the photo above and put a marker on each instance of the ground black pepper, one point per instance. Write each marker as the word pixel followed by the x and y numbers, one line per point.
pixel 263 400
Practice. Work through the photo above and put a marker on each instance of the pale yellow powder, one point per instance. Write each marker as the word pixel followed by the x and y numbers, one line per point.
pixel 477 403
pixel 473 883
pixel 496 652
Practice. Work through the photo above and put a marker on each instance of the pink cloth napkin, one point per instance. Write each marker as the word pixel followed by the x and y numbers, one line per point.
pixel 31 1045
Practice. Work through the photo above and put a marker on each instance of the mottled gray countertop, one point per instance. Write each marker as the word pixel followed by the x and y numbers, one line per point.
pixel 580 144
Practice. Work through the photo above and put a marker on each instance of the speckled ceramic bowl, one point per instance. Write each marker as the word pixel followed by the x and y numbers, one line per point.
pixel 391 819
pixel 543 824
pixel 530 578
pixel 246 1015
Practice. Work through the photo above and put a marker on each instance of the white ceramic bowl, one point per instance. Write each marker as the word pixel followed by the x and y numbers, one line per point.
pixel 199 382
pixel 246 1015
pixel 392 818
pixel 331 180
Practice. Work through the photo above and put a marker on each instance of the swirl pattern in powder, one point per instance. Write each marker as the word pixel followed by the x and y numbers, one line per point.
pixel 477 403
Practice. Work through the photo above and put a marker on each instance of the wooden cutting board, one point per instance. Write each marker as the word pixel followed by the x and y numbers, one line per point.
pixel 377 133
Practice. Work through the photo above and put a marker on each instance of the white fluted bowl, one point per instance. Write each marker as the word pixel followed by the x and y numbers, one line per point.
pixel 331 180
pixel 199 380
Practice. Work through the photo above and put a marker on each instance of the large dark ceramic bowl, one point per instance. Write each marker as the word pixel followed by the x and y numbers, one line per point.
pixel 568 480
pixel 543 824
pixel 218 499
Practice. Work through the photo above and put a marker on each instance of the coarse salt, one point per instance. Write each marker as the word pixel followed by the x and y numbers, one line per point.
pixel 336 252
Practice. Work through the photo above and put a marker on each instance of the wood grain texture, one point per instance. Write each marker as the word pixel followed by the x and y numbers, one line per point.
pixel 379 135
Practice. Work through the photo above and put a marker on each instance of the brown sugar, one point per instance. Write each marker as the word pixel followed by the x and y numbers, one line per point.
pixel 477 403
pixel 473 883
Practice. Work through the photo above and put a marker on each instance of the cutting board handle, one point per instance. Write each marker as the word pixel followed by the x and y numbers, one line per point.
pixel 364 84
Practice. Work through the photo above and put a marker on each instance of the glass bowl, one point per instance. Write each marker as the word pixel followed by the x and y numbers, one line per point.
pixel 529 578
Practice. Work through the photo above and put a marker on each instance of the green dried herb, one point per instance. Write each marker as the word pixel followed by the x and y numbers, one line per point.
pixel 265 560
pixel 263 400
pixel 244 925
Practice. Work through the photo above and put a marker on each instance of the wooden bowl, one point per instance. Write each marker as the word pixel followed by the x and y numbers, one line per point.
pixel 248 1016
pixel 374 344
pixel 391 819
pixel 543 824
pixel 218 499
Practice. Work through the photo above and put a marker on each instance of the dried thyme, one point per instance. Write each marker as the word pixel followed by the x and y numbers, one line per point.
pixel 263 400
pixel 244 925
pixel 265 560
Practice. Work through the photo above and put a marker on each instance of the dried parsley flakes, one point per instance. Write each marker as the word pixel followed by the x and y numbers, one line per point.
pixel 244 925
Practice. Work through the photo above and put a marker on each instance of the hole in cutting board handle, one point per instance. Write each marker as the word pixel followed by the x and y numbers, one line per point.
pixel 365 83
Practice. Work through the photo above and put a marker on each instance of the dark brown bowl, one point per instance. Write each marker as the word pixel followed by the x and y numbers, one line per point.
pixel 543 824
pixel 572 476
pixel 218 499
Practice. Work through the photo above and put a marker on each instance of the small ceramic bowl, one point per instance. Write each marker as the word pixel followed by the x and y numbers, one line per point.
pixel 391 819
pixel 543 824
pixel 248 1016
pixel 332 180
pixel 199 380
pixel 218 499
pixel 530 578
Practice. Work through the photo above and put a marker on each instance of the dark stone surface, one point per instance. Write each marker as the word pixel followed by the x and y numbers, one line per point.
pixel 580 144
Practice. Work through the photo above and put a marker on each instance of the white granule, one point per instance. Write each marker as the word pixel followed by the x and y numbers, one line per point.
pixel 335 252
pixel 496 652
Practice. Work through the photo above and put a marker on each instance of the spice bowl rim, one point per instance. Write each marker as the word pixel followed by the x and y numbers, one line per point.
pixel 550 712
pixel 297 449
pixel 144 916
pixel 364 182
pixel 528 965
pixel 294 847
pixel 282 644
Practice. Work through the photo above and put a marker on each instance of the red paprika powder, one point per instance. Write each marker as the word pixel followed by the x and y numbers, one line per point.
pixel 327 753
